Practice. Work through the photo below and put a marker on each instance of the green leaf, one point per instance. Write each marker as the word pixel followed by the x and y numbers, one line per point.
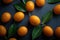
pixel 53 1
pixel 47 17
pixel 12 30
pixel 36 32
pixel 24 1
pixel 20 7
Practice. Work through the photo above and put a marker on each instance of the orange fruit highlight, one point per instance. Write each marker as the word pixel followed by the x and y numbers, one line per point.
pixel 6 16
pixel 12 39
pixel 30 6
pixel 40 3
pixel 48 31
pixel 57 9
pixel 22 31
pixel 57 31
pixel 3 30
pixel 34 20
pixel 19 16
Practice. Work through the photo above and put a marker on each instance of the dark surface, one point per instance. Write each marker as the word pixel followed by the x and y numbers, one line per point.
pixel 54 22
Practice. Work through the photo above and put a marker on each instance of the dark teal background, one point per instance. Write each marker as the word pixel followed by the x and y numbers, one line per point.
pixel 54 22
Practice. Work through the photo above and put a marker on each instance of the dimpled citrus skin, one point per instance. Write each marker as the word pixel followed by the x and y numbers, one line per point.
pixel 57 9
pixel 7 1
pixel 6 16
pixel 2 30
pixel 57 31
pixel 40 3
pixel 19 16
pixel 48 31
pixel 22 31
pixel 12 39
pixel 34 20
pixel 30 6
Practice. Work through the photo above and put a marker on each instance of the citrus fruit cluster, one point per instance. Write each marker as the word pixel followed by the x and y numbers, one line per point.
pixel 33 19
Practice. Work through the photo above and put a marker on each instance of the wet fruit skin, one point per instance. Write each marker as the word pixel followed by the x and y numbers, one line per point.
pixel 7 1
pixel 34 20
pixel 22 31
pixel 57 31
pixel 48 31
pixel 30 6
pixel 12 39
pixel 19 16
pixel 40 3
pixel 57 9
pixel 6 16
pixel 3 30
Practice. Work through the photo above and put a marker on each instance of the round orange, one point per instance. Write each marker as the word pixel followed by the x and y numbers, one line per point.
pixel 3 30
pixel 19 16
pixel 30 6
pixel 40 3
pixel 22 31
pixel 7 1
pixel 6 16
pixel 57 31
pixel 48 31
pixel 12 39
pixel 34 20
pixel 57 9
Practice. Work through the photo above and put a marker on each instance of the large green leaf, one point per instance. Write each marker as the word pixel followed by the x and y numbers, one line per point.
pixel 20 7
pixel 12 30
pixel 53 1
pixel 36 32
pixel 47 17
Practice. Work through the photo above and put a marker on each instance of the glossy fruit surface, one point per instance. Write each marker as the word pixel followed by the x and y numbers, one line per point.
pixel 34 20
pixel 57 9
pixel 48 31
pixel 12 39
pixel 30 6
pixel 19 16
pixel 3 30
pixel 57 31
pixel 6 16
pixel 22 31
pixel 40 3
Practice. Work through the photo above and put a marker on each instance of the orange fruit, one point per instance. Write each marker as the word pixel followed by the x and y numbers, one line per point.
pixel 34 20
pixel 22 31
pixel 12 39
pixel 19 16
pixel 6 16
pixel 40 3
pixel 3 30
pixel 30 6
pixel 57 31
pixel 48 31
pixel 7 1
pixel 57 9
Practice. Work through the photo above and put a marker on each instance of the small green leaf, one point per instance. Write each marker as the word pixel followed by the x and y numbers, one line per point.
pixel 47 17
pixel 12 30
pixel 20 7
pixel 36 32
pixel 53 1
pixel 24 1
